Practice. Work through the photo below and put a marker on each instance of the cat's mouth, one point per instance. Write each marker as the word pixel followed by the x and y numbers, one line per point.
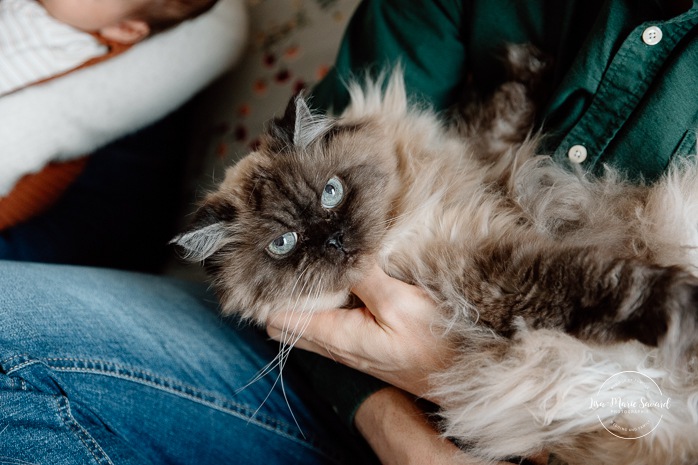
pixel 343 256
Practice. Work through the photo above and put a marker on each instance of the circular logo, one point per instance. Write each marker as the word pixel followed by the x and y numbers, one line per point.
pixel 630 405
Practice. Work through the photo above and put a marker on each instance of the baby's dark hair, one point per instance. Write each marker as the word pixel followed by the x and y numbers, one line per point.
pixel 163 14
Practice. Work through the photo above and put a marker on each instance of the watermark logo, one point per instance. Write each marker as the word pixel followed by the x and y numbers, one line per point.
pixel 630 405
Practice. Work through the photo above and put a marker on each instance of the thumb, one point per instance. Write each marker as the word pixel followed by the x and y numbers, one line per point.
pixel 380 292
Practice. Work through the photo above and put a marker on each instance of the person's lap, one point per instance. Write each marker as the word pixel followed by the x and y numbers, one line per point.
pixel 104 366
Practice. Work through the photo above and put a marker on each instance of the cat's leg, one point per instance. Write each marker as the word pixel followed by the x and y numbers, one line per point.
pixel 505 118
pixel 597 297
pixel 587 292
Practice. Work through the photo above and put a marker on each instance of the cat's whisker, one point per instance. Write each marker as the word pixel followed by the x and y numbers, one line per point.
pixel 268 368
pixel 280 380
pixel 288 404
pixel 278 360
pixel 264 401
pixel 291 337
pixel 307 316
pixel 287 334
pixel 329 353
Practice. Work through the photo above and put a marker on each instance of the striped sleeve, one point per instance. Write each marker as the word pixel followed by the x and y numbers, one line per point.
pixel 34 46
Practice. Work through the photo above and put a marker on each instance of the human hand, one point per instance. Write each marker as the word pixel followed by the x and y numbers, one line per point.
pixel 391 338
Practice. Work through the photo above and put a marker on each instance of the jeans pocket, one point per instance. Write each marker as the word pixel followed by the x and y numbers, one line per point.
pixel 36 427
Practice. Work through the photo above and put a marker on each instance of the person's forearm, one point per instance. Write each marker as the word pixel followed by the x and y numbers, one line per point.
pixel 399 433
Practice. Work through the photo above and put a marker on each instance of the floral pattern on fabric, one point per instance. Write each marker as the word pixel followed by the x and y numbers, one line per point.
pixel 292 45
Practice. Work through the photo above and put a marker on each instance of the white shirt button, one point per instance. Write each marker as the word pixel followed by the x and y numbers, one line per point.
pixel 577 153
pixel 652 35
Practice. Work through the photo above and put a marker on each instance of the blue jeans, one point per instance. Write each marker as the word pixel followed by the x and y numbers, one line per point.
pixel 102 366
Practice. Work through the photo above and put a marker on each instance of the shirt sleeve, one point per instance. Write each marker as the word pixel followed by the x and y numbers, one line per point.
pixel 424 37
pixel 341 387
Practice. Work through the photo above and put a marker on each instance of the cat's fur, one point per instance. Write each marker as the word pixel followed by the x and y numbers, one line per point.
pixel 548 281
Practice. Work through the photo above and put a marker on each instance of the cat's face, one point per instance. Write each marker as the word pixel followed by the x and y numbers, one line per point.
pixel 295 224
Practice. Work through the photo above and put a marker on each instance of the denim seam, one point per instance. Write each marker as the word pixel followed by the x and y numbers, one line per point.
pixel 124 372
pixel 180 389
pixel 11 368
pixel 106 368
pixel 74 427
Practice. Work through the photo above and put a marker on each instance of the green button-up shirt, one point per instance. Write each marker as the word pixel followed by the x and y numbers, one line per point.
pixel 629 103
pixel 624 85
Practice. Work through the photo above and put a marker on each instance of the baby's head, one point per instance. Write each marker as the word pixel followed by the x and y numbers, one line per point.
pixel 125 21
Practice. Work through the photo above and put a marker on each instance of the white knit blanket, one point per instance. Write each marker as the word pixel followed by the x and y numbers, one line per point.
pixel 88 108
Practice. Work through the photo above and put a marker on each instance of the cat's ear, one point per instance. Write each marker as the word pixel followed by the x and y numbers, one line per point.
pixel 297 128
pixel 207 232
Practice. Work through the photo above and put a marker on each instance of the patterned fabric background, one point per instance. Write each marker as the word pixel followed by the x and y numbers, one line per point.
pixel 292 45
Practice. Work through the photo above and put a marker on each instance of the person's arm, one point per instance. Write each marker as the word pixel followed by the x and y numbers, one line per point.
pixel 393 339
pixel 400 433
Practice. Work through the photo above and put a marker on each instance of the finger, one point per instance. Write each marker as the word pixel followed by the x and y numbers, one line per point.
pixel 330 332
pixel 300 343
pixel 388 299
pixel 341 349
pixel 375 288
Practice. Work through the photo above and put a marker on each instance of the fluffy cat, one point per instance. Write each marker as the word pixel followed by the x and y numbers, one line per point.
pixel 549 282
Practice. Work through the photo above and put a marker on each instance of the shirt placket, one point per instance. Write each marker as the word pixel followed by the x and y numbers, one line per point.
pixel 632 70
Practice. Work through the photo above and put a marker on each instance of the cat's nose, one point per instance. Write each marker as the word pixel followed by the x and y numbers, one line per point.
pixel 335 240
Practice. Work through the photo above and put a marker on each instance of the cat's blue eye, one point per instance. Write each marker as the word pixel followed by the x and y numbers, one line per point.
pixel 283 245
pixel 333 193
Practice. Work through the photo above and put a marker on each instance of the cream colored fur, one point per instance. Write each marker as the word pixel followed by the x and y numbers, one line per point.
pixel 536 397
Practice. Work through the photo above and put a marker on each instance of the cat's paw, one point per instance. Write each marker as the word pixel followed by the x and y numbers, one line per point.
pixel 526 64
pixel 667 317
pixel 679 345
